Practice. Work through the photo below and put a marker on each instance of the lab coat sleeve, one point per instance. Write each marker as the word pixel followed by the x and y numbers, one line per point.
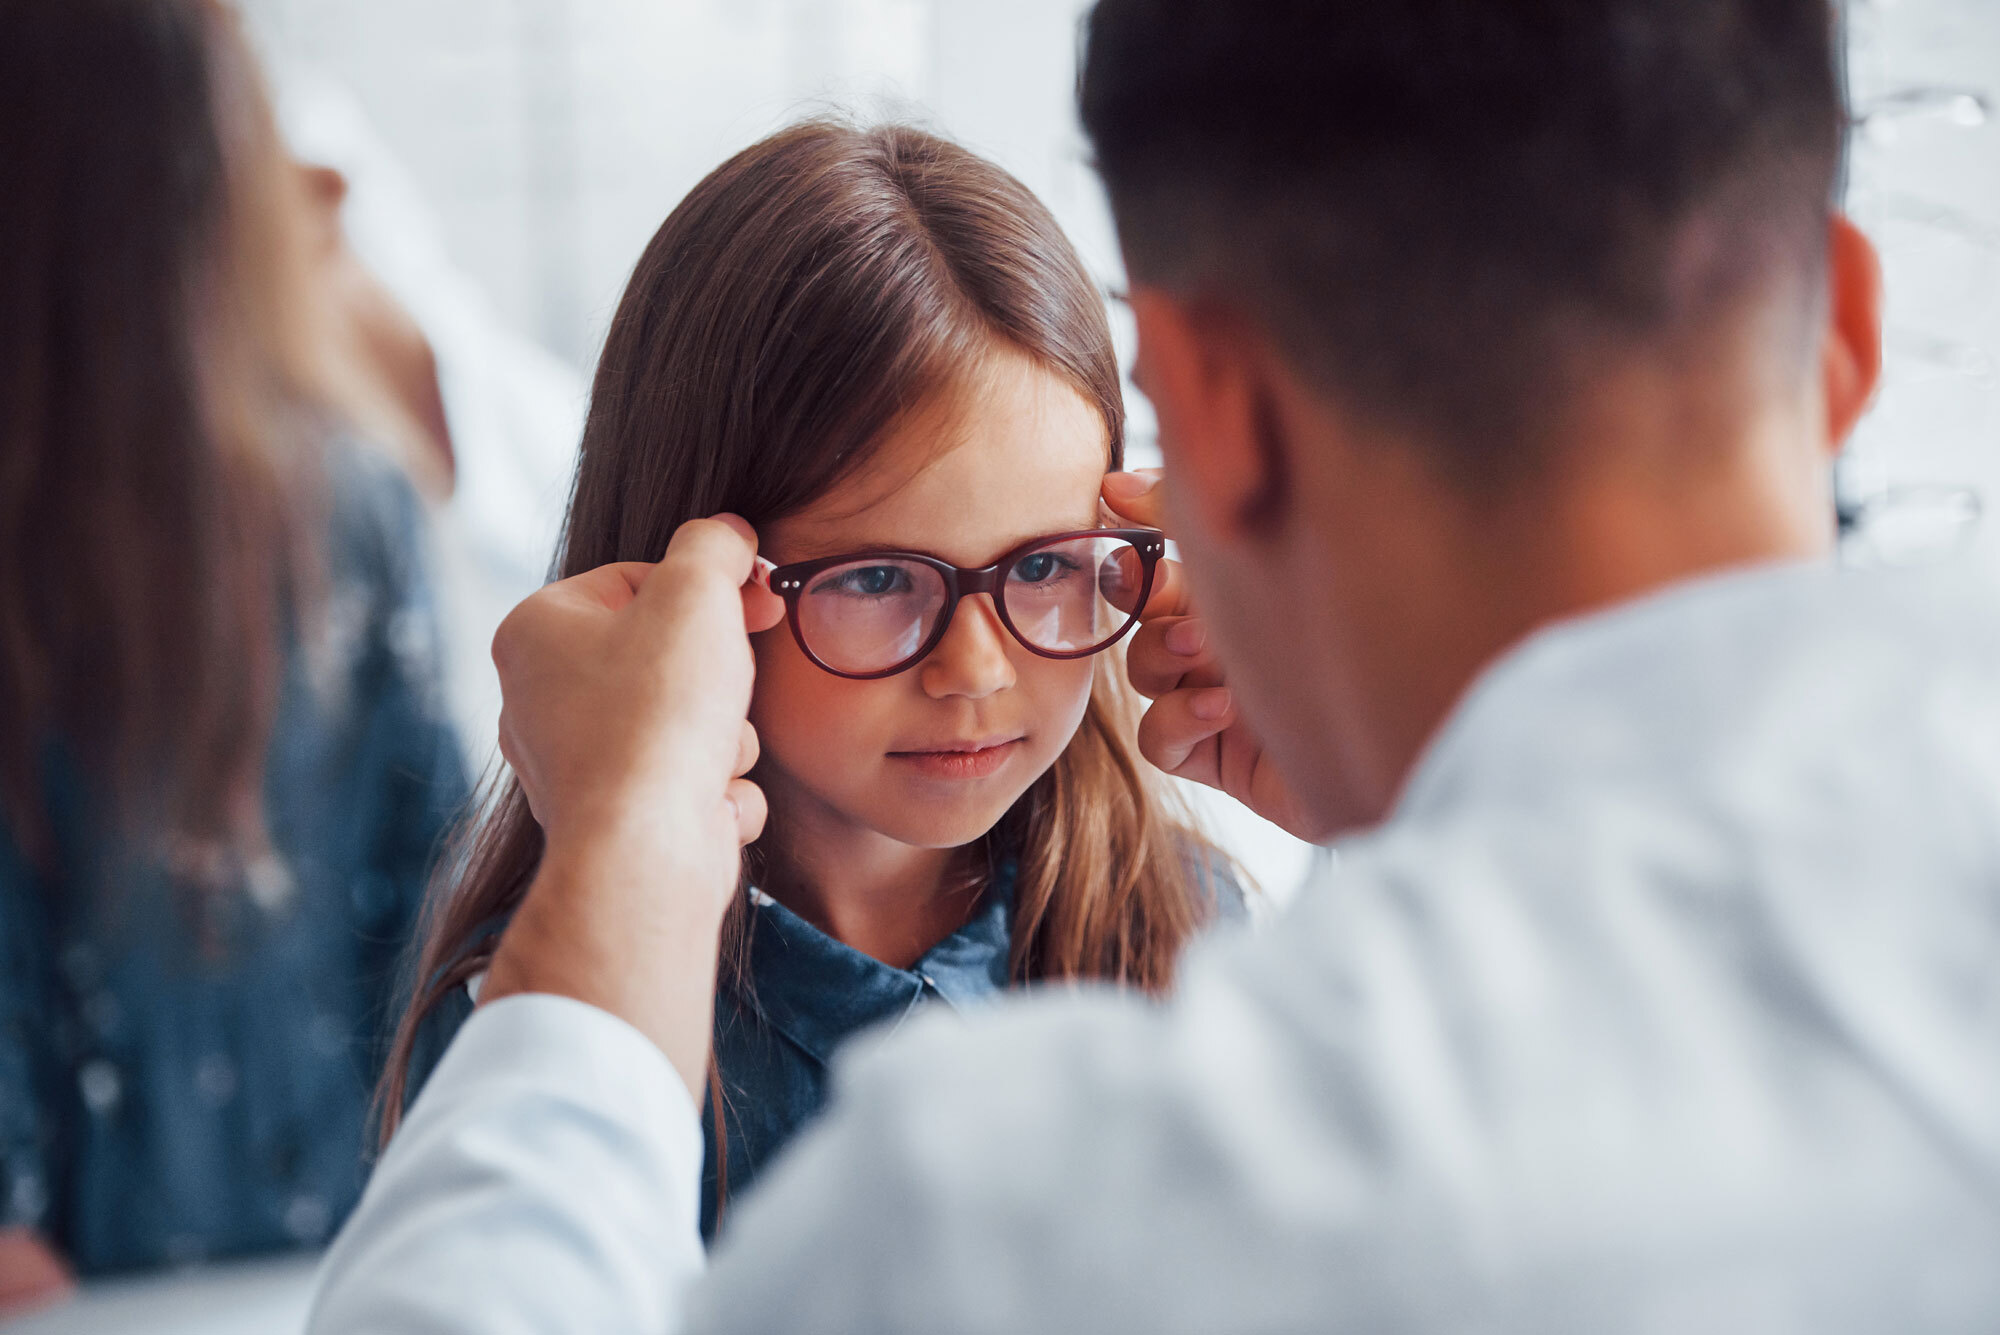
pixel 546 1180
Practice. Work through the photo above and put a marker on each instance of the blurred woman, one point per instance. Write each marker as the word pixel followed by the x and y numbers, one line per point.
pixel 222 764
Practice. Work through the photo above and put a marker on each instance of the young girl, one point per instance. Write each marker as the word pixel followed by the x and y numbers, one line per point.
pixel 881 351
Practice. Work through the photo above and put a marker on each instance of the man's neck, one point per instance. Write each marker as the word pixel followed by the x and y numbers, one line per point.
pixel 1489 573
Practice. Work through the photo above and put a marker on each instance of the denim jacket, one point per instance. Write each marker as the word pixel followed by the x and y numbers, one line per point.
pixel 172 1089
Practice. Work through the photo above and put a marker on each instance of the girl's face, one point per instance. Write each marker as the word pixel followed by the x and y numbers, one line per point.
pixel 935 755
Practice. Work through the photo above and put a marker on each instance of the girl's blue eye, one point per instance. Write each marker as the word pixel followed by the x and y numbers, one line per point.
pixel 867 582
pixel 1042 568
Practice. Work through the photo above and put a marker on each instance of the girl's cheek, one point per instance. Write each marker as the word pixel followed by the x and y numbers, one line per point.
pixel 805 717
pixel 780 703
pixel 1062 693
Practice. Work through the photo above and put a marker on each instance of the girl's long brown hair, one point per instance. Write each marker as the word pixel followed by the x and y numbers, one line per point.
pixel 807 294
pixel 150 510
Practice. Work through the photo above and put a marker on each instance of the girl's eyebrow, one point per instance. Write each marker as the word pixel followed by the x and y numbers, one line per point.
pixel 814 551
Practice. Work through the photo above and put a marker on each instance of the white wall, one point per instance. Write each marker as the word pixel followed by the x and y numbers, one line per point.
pixel 1925 184
pixel 553 135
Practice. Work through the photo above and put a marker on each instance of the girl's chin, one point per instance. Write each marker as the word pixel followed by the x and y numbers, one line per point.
pixel 900 803
pixel 939 833
pixel 931 821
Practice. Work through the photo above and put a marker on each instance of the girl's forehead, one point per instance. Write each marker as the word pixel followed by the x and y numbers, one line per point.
pixel 1018 456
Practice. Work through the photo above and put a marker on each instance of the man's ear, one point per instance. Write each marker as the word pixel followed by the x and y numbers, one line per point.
pixel 1207 376
pixel 1851 359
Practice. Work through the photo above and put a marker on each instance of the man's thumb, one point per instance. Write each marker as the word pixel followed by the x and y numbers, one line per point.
pixel 1137 496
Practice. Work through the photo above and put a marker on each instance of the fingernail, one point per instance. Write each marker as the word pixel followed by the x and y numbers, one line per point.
pixel 1186 638
pixel 1211 704
pixel 1129 486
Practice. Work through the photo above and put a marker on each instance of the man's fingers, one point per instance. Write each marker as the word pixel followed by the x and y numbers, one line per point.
pixel 1137 497
pixel 607 586
pixel 723 546
pixel 738 525
pixel 1178 733
pixel 746 800
pixel 748 748
pixel 1168 654
pixel 1169 597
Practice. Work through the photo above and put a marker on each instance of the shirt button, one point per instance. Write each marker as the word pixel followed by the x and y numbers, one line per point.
pixel 215 1079
pixel 269 883
pixel 27 1198
pixel 409 638
pixel 306 1218
pixel 101 1086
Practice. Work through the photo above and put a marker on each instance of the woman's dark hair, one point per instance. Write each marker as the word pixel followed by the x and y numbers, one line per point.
pixel 799 302
pixel 148 511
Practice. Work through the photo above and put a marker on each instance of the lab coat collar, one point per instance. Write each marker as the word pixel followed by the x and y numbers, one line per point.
pixel 1677 617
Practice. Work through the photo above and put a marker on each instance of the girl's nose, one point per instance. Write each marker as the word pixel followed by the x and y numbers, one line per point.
pixel 971 660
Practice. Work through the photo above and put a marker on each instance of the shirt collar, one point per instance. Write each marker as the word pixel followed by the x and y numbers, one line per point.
pixel 818 991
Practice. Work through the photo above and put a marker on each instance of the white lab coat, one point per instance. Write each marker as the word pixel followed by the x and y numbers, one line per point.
pixel 1668 1000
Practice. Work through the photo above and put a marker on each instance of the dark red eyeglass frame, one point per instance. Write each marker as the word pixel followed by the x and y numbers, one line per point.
pixel 789 582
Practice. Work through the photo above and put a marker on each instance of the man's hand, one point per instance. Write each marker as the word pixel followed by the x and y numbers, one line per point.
pixel 626 692
pixel 1191 730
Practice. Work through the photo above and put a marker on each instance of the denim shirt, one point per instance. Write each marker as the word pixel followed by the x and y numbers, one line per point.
pixel 176 1087
pixel 810 993
pixel 805 995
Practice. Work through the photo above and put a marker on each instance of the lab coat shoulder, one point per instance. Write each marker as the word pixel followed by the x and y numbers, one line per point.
pixel 1659 991
pixel 473 1221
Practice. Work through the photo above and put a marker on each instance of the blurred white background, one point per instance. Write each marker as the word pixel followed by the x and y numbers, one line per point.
pixel 552 136
pixel 512 156
pixel 1925 184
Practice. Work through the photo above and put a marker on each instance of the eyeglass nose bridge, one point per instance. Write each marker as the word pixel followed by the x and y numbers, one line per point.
pixel 960 585
pixel 964 583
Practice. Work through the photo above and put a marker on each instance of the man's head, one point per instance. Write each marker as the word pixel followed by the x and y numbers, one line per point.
pixel 1461 315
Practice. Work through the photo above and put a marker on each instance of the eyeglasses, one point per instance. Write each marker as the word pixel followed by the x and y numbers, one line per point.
pixel 874 614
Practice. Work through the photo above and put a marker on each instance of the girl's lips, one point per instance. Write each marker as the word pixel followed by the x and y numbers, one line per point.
pixel 974 764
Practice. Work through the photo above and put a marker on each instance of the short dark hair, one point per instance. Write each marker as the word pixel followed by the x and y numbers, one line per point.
pixel 1442 208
